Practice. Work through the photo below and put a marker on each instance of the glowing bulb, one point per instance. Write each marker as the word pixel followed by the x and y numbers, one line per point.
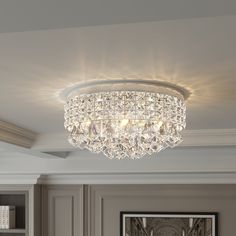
pixel 124 122
pixel 159 124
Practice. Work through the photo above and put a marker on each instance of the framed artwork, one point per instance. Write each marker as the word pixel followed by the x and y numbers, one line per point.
pixel 168 224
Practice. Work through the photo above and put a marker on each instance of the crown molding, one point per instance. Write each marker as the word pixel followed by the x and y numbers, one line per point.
pixel 19 179
pixel 4 146
pixel 121 178
pixel 16 135
pixel 128 178
pixel 192 138
pixel 141 178
pixel 15 138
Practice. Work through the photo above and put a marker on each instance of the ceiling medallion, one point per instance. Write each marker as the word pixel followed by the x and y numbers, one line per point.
pixel 125 118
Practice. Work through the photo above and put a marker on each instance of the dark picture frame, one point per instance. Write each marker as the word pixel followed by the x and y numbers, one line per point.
pixel 146 223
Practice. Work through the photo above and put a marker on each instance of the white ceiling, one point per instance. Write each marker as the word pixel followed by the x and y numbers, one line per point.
pixel 25 15
pixel 197 53
pixel 48 45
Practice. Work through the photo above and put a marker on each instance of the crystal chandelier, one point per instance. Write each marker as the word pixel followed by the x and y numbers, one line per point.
pixel 125 119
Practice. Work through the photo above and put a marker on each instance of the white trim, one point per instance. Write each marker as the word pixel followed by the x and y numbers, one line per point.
pixel 119 178
pixel 34 153
pixel 99 85
pixel 18 179
pixel 192 138
pixel 193 163
pixel 17 139
pixel 13 134
pixel 153 178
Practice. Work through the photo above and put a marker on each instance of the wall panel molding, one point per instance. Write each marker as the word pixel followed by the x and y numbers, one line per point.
pixel 63 210
pixel 108 200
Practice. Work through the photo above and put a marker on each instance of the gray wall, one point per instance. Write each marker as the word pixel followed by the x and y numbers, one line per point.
pixel 107 202
pixel 76 210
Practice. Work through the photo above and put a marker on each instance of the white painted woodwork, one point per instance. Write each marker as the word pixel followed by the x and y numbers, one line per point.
pixel 15 138
pixel 12 179
pixel 177 161
pixel 8 147
pixel 11 133
pixel 141 178
pixel 122 178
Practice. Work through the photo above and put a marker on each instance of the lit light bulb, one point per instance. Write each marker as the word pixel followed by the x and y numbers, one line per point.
pixel 124 122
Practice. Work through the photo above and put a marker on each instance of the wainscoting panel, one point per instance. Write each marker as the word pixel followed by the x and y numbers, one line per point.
pixel 106 202
pixel 63 210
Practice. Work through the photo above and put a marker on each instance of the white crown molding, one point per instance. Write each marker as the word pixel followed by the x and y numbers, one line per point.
pixel 13 134
pixel 4 146
pixel 120 178
pixel 17 139
pixel 141 178
pixel 18 179
pixel 192 138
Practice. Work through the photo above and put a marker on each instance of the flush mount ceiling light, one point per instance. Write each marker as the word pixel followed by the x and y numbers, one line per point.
pixel 125 118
